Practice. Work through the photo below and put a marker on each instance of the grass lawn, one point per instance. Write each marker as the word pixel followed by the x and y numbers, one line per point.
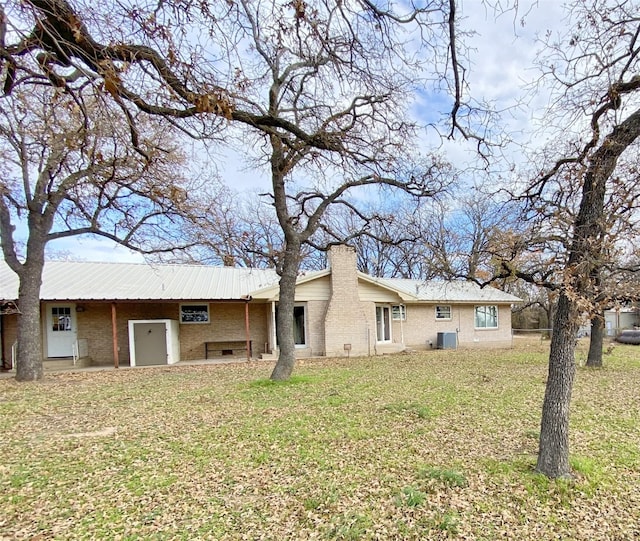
pixel 433 445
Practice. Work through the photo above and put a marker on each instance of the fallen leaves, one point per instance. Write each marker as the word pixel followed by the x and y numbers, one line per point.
pixel 433 445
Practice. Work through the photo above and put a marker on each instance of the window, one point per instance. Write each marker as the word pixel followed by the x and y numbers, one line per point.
pixel 399 312
pixel 194 313
pixel 299 325
pixel 60 318
pixel 486 317
pixel 383 324
pixel 443 312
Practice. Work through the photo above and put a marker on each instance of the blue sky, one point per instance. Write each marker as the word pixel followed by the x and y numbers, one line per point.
pixel 502 53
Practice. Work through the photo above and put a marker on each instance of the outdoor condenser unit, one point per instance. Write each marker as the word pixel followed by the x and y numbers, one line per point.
pixel 447 340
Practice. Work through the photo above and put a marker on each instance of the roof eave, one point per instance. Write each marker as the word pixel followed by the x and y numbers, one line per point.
pixel 374 281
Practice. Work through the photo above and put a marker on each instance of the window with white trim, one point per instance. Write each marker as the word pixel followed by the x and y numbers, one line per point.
pixel 486 317
pixel 399 312
pixel 194 313
pixel 443 312
pixel 299 324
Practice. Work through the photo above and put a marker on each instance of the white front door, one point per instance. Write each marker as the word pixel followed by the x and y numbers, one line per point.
pixel 61 330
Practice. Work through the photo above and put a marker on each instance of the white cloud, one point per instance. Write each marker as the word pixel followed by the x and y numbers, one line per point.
pixel 91 248
pixel 502 51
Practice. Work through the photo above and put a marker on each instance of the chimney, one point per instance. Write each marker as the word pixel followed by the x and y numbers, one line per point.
pixel 345 326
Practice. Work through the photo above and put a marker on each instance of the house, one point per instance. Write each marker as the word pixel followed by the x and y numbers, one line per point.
pixel 138 314
pixel 621 318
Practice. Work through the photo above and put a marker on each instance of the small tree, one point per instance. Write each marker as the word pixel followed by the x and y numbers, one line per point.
pixel 68 170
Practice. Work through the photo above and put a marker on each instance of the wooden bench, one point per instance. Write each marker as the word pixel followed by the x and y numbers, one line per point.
pixel 226 347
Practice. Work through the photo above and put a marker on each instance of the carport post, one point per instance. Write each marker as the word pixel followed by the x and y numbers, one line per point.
pixel 114 333
pixel 247 330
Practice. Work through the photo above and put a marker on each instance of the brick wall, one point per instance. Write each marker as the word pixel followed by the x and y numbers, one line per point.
pixel 345 320
pixel 316 311
pixel 10 335
pixel 227 322
pixel 421 327
pixel 94 325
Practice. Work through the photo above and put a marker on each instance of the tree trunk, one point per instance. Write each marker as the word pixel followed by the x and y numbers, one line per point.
pixel 553 456
pixel 284 319
pixel 29 362
pixel 583 266
pixel 594 358
pixel 280 165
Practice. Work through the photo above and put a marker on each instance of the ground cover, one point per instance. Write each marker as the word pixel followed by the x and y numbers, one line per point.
pixel 432 445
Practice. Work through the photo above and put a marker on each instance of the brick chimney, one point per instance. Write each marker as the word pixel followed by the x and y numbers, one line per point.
pixel 346 327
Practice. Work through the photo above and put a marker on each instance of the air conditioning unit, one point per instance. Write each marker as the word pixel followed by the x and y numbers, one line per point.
pixel 447 340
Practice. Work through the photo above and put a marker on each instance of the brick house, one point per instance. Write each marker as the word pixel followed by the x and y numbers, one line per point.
pixel 137 314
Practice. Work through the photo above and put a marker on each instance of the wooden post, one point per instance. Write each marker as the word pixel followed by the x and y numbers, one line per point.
pixel 114 332
pixel 5 365
pixel 246 327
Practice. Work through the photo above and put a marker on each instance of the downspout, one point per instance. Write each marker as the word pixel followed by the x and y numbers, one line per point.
pixel 274 338
pixel 403 312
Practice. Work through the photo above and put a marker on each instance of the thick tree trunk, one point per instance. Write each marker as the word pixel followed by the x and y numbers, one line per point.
pixel 284 324
pixel 583 267
pixel 553 457
pixel 594 358
pixel 29 363
pixel 29 359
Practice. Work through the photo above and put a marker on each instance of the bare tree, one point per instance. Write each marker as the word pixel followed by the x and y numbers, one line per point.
pixel 593 69
pixel 328 69
pixel 240 230
pixel 461 235
pixel 67 174
pixel 321 89
pixel 536 310
pixel 386 233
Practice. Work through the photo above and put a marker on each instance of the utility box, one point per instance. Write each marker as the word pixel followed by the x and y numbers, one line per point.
pixel 447 340
pixel 153 342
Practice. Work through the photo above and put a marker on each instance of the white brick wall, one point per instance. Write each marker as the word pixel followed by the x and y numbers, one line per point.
pixel 346 321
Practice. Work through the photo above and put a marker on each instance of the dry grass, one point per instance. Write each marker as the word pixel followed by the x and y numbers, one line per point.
pixel 433 445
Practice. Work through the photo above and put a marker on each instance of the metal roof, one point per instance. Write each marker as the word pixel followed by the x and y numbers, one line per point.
pixel 441 291
pixel 79 280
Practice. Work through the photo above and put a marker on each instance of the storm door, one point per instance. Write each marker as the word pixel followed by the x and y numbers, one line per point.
pixel 61 330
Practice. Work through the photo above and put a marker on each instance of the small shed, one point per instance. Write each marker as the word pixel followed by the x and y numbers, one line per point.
pixel 154 342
